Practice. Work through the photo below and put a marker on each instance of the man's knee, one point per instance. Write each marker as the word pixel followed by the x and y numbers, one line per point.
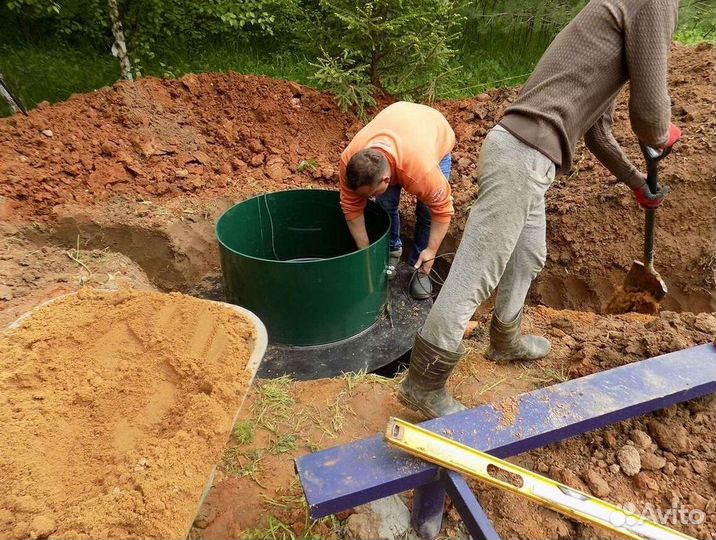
pixel 539 258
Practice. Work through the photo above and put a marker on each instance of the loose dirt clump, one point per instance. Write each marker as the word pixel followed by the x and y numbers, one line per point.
pixel 623 301
pixel 115 406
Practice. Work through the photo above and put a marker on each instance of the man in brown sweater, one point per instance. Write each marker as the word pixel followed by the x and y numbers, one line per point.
pixel 570 95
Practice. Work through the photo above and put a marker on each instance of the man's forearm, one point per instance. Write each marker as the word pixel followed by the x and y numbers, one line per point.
pixel 437 234
pixel 358 231
pixel 601 142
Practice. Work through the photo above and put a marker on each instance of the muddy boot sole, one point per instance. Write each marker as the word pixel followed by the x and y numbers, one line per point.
pixel 417 406
pixel 520 356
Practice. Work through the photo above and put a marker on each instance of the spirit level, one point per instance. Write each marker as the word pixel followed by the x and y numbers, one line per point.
pixel 452 455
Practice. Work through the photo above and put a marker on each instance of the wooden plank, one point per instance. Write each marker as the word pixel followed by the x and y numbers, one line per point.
pixel 346 476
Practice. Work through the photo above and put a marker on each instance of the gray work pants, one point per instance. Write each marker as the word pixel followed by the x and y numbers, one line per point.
pixel 504 239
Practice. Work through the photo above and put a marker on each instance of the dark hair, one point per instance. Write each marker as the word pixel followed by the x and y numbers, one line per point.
pixel 365 168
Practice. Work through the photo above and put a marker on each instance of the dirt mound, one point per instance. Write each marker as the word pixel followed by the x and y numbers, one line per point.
pixel 675 446
pixel 154 139
pixel 231 136
pixel 114 408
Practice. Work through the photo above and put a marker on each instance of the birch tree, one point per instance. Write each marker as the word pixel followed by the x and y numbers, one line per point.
pixel 119 49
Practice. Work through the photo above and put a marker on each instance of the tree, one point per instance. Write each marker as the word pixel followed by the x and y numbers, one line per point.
pixel 119 49
pixel 400 47
pixel 16 105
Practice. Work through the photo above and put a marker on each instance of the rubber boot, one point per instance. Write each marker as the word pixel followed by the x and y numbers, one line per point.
pixel 393 260
pixel 421 288
pixel 507 344
pixel 424 389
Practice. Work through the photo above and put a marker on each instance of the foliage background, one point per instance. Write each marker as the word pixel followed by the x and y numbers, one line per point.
pixel 418 49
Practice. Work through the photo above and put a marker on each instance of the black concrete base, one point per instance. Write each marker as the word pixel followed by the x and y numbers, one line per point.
pixel 379 346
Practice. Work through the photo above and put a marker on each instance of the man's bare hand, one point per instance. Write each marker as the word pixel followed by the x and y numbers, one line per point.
pixel 425 261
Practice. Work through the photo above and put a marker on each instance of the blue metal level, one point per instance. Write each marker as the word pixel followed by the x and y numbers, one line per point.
pixel 346 476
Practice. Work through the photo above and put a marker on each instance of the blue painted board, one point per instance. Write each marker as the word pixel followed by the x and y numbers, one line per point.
pixel 478 524
pixel 346 476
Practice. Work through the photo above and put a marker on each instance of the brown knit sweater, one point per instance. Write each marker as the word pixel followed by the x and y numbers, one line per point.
pixel 572 90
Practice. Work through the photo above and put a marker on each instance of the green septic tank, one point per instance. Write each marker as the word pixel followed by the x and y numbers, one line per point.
pixel 289 257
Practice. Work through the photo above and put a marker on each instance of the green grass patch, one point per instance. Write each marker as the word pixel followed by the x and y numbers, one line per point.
pixel 285 443
pixel 38 74
pixel 274 530
pixel 244 432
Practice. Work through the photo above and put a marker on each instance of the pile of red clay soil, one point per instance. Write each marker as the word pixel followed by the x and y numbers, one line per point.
pixel 232 136
pixel 669 461
pixel 115 406
pixel 158 139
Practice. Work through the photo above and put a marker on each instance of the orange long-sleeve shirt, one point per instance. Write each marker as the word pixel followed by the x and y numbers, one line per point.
pixel 414 138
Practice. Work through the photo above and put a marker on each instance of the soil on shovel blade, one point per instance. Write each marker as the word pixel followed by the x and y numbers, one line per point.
pixel 124 185
pixel 623 301
pixel 115 406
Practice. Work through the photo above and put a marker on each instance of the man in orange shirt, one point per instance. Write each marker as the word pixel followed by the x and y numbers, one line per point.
pixel 407 145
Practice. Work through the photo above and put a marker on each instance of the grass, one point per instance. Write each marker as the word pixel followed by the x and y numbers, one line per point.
pixel 354 379
pixel 279 425
pixel 244 432
pixel 276 529
pixel 547 376
pixel 52 71
pixel 274 406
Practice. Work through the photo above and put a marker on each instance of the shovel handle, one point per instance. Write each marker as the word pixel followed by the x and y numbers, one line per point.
pixel 649 226
pixel 652 156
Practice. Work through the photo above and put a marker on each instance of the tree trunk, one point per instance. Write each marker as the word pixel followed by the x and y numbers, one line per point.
pixel 15 106
pixel 374 72
pixel 120 45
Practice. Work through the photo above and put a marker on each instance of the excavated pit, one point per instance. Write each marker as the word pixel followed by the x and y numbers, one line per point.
pixel 183 256
pixel 145 169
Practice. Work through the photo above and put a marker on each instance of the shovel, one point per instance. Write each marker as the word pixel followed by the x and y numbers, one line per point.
pixel 642 278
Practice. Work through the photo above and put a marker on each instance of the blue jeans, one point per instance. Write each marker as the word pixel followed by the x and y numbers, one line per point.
pixel 390 201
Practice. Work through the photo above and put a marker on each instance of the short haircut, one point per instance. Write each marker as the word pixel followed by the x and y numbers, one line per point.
pixel 366 168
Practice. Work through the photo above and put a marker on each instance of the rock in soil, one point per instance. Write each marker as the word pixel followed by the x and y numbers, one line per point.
pixel 652 462
pixel 640 438
pixel 629 460
pixel 673 438
pixel 597 484
pixel 384 519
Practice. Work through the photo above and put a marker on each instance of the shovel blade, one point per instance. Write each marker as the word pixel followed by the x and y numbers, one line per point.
pixel 643 278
